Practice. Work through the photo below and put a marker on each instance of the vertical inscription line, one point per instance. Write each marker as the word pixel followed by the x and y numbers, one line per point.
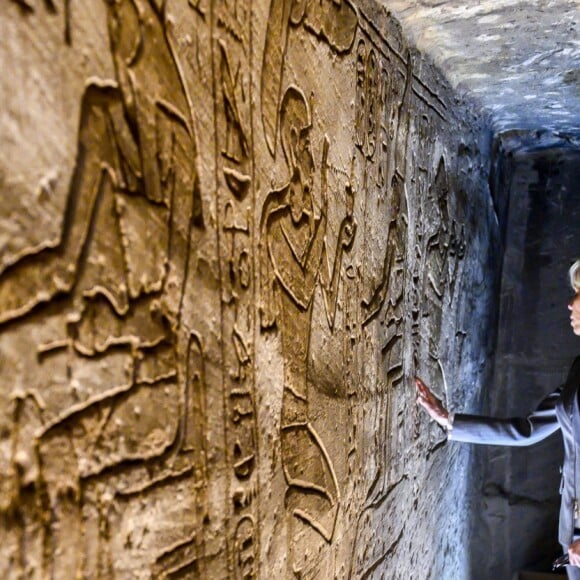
pixel 212 25
pixel 234 184
pixel 255 254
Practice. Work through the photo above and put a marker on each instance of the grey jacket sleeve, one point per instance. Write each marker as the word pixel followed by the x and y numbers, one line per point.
pixel 516 432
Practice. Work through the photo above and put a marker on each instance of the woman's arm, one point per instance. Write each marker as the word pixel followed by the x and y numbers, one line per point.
pixel 515 432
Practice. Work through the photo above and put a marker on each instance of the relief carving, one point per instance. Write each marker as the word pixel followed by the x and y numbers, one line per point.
pixel 388 303
pixel 332 21
pixel 135 171
pixel 236 148
pixel 29 6
pixel 200 6
pixel 293 249
pixel 386 300
pixel 403 120
pixel 147 440
pixel 386 135
pixel 245 565
pixel 235 237
pixel 389 288
pixel 444 248
pixel 369 99
pixel 233 17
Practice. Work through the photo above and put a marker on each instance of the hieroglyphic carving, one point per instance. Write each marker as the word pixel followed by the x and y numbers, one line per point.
pixel 200 6
pixel 245 550
pixel 237 149
pixel 457 249
pixel 403 120
pixel 50 5
pixel 232 18
pixel 390 286
pixel 31 6
pixel 386 128
pixel 444 250
pixel 332 21
pixel 378 531
pixel 293 251
pixel 235 237
pixel 122 294
pixel 370 96
pixel 437 254
pixel 392 306
pixel 391 291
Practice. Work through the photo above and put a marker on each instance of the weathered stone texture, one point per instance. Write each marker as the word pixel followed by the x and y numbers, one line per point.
pixel 231 234
pixel 519 58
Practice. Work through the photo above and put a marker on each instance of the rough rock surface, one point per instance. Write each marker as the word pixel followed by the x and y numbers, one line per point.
pixel 230 235
pixel 519 58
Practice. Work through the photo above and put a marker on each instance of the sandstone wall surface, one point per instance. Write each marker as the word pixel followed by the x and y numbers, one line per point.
pixel 231 233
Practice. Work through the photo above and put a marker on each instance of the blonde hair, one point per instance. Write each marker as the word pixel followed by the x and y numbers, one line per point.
pixel 574 274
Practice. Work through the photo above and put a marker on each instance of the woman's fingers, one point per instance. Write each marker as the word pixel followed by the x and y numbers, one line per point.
pixel 424 393
pixel 574 560
pixel 574 553
pixel 422 388
pixel 431 403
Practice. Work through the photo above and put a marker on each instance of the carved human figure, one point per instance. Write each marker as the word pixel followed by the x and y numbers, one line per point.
pixel 293 249
pixel 387 299
pixel 135 174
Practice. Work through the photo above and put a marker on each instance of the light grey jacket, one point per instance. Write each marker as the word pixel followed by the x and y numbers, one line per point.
pixel 559 410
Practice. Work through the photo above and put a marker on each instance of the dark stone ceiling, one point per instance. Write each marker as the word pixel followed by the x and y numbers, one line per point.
pixel 519 59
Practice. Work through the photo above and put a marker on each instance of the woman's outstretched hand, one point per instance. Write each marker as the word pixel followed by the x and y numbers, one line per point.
pixel 574 553
pixel 431 404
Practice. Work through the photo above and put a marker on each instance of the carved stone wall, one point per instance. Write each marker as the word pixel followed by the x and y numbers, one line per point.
pixel 231 233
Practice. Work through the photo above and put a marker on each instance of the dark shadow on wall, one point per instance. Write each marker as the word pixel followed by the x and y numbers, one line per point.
pixel 516 501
